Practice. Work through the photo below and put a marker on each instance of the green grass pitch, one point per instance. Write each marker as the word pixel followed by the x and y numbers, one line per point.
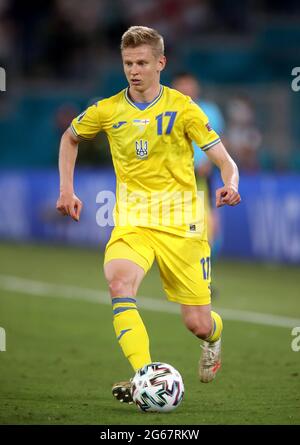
pixel 62 357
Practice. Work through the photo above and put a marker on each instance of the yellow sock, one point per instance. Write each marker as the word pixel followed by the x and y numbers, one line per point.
pixel 217 328
pixel 131 332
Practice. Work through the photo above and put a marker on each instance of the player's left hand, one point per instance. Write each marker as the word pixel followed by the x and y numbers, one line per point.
pixel 227 195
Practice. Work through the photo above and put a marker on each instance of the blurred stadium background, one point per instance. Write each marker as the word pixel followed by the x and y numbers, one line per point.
pixel 61 57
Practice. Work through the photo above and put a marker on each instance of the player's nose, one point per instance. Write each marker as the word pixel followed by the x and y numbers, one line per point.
pixel 134 70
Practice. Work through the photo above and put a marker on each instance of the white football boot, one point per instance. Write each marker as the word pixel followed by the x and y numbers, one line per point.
pixel 122 392
pixel 210 361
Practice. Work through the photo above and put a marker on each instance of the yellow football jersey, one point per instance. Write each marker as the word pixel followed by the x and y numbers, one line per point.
pixel 153 158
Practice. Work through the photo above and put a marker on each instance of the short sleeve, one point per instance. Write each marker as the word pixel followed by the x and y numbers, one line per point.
pixel 197 127
pixel 87 125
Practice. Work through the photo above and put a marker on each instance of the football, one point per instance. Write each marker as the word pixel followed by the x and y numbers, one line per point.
pixel 157 387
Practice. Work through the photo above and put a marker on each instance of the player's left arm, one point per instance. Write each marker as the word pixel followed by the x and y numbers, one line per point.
pixel 228 194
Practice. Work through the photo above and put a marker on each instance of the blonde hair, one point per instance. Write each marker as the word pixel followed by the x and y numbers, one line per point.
pixel 142 35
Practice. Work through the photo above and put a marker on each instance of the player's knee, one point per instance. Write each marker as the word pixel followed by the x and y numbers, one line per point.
pixel 199 328
pixel 119 287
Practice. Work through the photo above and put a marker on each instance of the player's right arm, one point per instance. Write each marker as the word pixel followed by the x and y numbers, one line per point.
pixel 83 127
pixel 68 203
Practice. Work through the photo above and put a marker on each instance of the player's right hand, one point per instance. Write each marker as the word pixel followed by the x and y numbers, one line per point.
pixel 69 205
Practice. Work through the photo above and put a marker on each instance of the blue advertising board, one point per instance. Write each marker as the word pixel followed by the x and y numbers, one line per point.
pixel 28 207
pixel 265 226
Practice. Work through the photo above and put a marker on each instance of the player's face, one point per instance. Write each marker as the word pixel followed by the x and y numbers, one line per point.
pixel 142 67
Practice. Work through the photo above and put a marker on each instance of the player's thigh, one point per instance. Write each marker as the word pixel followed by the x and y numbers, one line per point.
pixel 185 270
pixel 123 277
pixel 126 262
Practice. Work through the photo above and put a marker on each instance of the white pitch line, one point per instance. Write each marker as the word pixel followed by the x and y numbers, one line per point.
pixel 39 288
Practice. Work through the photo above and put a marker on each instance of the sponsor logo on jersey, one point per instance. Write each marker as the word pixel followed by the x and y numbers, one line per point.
pixel 119 124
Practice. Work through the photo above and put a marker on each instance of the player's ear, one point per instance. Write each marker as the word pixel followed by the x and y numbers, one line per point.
pixel 162 63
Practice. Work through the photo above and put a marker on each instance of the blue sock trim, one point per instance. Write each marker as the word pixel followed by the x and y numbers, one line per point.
pixel 215 327
pixel 123 309
pixel 123 300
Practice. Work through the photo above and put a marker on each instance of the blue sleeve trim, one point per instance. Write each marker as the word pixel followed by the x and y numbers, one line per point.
pixel 211 144
pixel 78 135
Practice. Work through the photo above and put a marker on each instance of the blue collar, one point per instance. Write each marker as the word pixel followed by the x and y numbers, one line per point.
pixel 144 105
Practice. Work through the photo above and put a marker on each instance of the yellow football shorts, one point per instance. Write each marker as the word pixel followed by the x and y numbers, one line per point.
pixel 184 263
